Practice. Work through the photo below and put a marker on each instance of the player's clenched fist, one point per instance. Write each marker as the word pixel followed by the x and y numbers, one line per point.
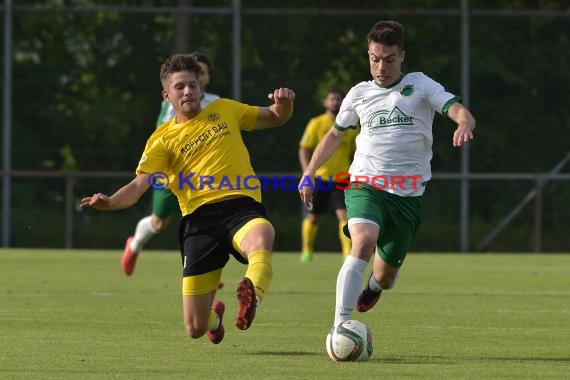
pixel 282 95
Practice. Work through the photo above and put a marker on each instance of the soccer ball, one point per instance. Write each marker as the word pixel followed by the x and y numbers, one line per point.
pixel 351 341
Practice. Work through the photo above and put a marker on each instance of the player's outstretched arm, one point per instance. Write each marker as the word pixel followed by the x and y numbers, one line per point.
pixel 465 123
pixel 279 112
pixel 125 197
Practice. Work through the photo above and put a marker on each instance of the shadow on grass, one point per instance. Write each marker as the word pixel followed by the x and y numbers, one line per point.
pixel 458 360
pixel 434 359
pixel 284 353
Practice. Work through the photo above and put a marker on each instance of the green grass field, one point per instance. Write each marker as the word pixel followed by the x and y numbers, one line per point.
pixel 73 314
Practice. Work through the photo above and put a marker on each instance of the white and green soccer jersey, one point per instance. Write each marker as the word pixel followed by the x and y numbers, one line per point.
pixel 167 112
pixel 393 149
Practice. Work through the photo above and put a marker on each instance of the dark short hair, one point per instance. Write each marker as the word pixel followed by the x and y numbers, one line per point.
pixel 388 33
pixel 202 58
pixel 177 63
pixel 335 91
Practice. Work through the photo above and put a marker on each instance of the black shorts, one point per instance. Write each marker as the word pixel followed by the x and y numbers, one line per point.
pixel 325 195
pixel 206 234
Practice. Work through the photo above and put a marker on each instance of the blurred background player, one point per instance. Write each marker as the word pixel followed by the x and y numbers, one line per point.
pixel 164 202
pixel 326 194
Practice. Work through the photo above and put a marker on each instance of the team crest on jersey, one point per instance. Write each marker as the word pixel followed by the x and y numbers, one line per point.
pixel 393 119
pixel 408 90
pixel 214 117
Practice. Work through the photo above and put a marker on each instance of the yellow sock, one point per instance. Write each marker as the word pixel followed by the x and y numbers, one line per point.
pixel 260 272
pixel 308 234
pixel 345 242
pixel 212 321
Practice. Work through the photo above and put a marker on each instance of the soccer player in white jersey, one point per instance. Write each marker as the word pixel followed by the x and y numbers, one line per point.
pixel 164 202
pixel 391 165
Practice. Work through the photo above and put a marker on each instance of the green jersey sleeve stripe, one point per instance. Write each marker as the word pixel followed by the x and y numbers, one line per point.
pixel 449 103
pixel 339 128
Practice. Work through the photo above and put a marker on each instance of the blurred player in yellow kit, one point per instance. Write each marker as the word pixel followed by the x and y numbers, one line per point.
pixel 326 194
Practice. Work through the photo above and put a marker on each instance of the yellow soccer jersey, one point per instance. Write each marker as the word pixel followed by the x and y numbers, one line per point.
pixel 205 158
pixel 340 160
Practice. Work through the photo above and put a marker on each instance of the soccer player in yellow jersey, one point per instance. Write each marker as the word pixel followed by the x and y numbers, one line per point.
pixel 200 154
pixel 164 203
pixel 326 193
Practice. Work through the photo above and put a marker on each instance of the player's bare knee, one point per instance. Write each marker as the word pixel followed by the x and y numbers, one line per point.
pixel 261 239
pixel 363 247
pixel 194 331
pixel 160 224
pixel 266 239
pixel 313 218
